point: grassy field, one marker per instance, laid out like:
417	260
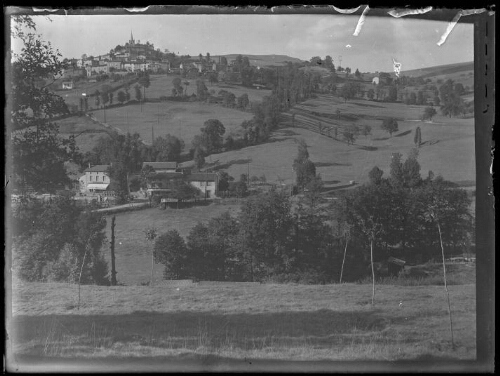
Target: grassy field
133	253
448	144
243	321
181	119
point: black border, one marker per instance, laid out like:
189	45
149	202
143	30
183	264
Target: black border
484	67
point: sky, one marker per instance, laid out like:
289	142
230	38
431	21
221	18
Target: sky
413	43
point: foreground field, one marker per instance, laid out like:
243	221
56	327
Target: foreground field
133	253
294	322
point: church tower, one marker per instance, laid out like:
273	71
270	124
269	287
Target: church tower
131	41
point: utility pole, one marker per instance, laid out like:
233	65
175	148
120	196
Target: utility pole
152	135
248	174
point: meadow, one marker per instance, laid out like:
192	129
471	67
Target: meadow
181	119
447	143
243	321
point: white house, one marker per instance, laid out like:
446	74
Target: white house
67	85
375	81
95	180
207	183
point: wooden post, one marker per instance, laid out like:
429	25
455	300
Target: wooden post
373	272
343	260
113	270
445	285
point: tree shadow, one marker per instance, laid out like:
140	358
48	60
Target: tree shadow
330	164
368	148
403	133
191	329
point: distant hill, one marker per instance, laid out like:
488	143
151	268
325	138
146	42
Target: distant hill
440	70
263	60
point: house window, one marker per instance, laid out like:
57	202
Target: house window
90	177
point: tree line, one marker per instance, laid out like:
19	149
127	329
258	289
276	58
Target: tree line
273	239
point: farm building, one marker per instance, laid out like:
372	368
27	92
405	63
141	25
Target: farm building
161	167
159	182
95	180
67	85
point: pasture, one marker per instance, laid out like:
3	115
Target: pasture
161	85
180	119
243	321
447	149
133	253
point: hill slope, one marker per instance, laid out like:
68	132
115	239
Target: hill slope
440	70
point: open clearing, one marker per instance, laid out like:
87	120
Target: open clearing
133	253
180	119
294	322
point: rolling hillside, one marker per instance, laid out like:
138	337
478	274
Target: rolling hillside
440	70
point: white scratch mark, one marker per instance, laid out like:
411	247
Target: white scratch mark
346	11
397	67
137	10
35	9
408	12
454	21
348	46
361	21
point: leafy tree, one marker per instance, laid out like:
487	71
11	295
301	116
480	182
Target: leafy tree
182	190
370	94
390	125
201	90
418	137
357	73
429	112
199	158
413	98
145	82
167	148
38	152
224	180
122	97
243	101
305	172
329	63
177	89
170	250
393	93
212	133
375	175
366	130
105	98
266	223
350	133
118	177
138	94
348	91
